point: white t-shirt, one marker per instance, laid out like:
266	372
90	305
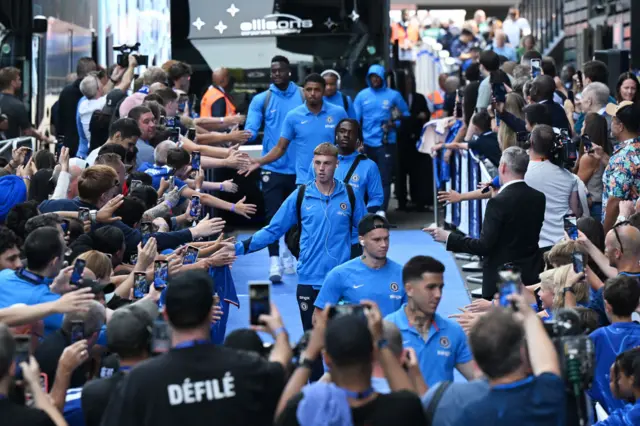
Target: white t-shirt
557	185
513	29
85	109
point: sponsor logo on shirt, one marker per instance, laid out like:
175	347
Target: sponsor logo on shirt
394	287
444	353
304	306
355	177
358	286
444	342
202	390
304	121
265	178
343	206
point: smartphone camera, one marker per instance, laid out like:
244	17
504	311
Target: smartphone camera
259	300
161	338
499	92
145	230
140	286
191	256
571	226
195	206
508	284
160	274
84	214
341	310
195	160
577	258
27	156
78	269
77	331
23	343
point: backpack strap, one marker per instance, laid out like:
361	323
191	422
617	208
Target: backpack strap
435	401
353	167
345	102
352	202
267	98
299	205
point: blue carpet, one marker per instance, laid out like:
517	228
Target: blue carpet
404	245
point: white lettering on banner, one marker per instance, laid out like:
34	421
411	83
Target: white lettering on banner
190	393
275	24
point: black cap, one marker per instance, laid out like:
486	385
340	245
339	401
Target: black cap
370	222
130	327
348	341
96	287
188	298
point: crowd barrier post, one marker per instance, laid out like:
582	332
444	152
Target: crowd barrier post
475	206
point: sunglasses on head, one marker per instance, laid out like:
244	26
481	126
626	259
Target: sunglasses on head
615	232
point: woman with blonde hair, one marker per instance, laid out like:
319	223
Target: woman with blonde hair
552	283
514	104
99	263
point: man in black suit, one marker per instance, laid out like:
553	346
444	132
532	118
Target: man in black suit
411	163
511	226
541	92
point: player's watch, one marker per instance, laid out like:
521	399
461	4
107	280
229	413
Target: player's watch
621	218
568	290
306	362
93	214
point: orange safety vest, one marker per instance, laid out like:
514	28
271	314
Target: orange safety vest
438	105
209	98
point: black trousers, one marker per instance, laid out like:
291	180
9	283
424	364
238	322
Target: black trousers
417	168
276	187
306	296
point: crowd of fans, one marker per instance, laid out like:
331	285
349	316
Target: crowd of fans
115	286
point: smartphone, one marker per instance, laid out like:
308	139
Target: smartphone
172	182
586	142
78	269
162	121
195	206
59	147
140	286
27	156
171	121
84	215
136	183
571	226
499	92
161	339
536	68
191	133
134	258
23	344
65	226
577	257
195	160
340	310
508	284
77	330
259	300
191	256
174	135
160	274
145	229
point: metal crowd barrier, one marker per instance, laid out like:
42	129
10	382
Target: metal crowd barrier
11	144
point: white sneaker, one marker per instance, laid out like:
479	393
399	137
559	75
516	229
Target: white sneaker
289	265
275	271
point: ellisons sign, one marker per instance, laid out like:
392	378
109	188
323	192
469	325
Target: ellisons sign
275	24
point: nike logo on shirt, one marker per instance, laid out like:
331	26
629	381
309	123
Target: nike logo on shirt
358	286
304	122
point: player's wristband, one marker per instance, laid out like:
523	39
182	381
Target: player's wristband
221	187
233	208
221	120
278	331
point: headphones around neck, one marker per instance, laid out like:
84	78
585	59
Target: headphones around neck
335	73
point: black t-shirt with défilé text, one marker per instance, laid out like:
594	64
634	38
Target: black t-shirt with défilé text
199	385
396	408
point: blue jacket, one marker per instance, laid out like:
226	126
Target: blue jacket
629	415
325	241
273	116
338	101
374	106
131	236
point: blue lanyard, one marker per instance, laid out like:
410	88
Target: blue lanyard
359	395
630	274
125	369
191	343
30	276
144	90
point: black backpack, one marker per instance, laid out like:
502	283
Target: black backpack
292	237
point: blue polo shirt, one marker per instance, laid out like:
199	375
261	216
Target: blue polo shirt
16	289
157	173
446	346
354	281
609	342
534	401
145	153
627	416
305	130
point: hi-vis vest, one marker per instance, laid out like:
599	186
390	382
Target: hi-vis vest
438	105
209	98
